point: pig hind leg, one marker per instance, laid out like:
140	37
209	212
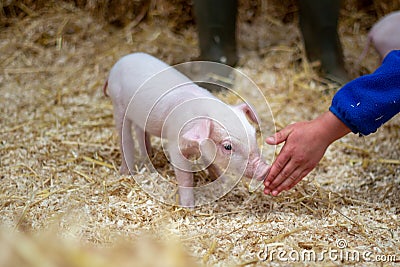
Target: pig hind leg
144	141
127	147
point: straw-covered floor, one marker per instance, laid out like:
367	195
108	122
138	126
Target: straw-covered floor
63	202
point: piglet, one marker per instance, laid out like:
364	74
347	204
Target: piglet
158	100
384	36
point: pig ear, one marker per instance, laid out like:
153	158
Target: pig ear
248	111
199	131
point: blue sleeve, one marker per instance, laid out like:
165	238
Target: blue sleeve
369	101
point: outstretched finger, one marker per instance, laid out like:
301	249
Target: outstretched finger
284	174
299	178
276	168
280	136
284	177
289	182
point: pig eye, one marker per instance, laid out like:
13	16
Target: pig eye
228	147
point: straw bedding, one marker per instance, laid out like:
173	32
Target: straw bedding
63	202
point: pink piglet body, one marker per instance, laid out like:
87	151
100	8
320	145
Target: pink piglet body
158	100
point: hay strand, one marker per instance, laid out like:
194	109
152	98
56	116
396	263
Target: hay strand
59	153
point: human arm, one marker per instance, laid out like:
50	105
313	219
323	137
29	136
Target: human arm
361	106
369	101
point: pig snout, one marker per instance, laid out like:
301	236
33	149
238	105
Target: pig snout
257	169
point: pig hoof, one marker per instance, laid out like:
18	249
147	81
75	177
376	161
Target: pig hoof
123	170
187	204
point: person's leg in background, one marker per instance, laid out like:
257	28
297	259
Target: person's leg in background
216	27
318	24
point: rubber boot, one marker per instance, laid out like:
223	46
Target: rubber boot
216	26
318	23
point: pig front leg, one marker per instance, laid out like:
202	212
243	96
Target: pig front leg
185	183
127	146
182	173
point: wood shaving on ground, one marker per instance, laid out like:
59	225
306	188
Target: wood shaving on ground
63	202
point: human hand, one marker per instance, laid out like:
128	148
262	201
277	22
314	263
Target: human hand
305	145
